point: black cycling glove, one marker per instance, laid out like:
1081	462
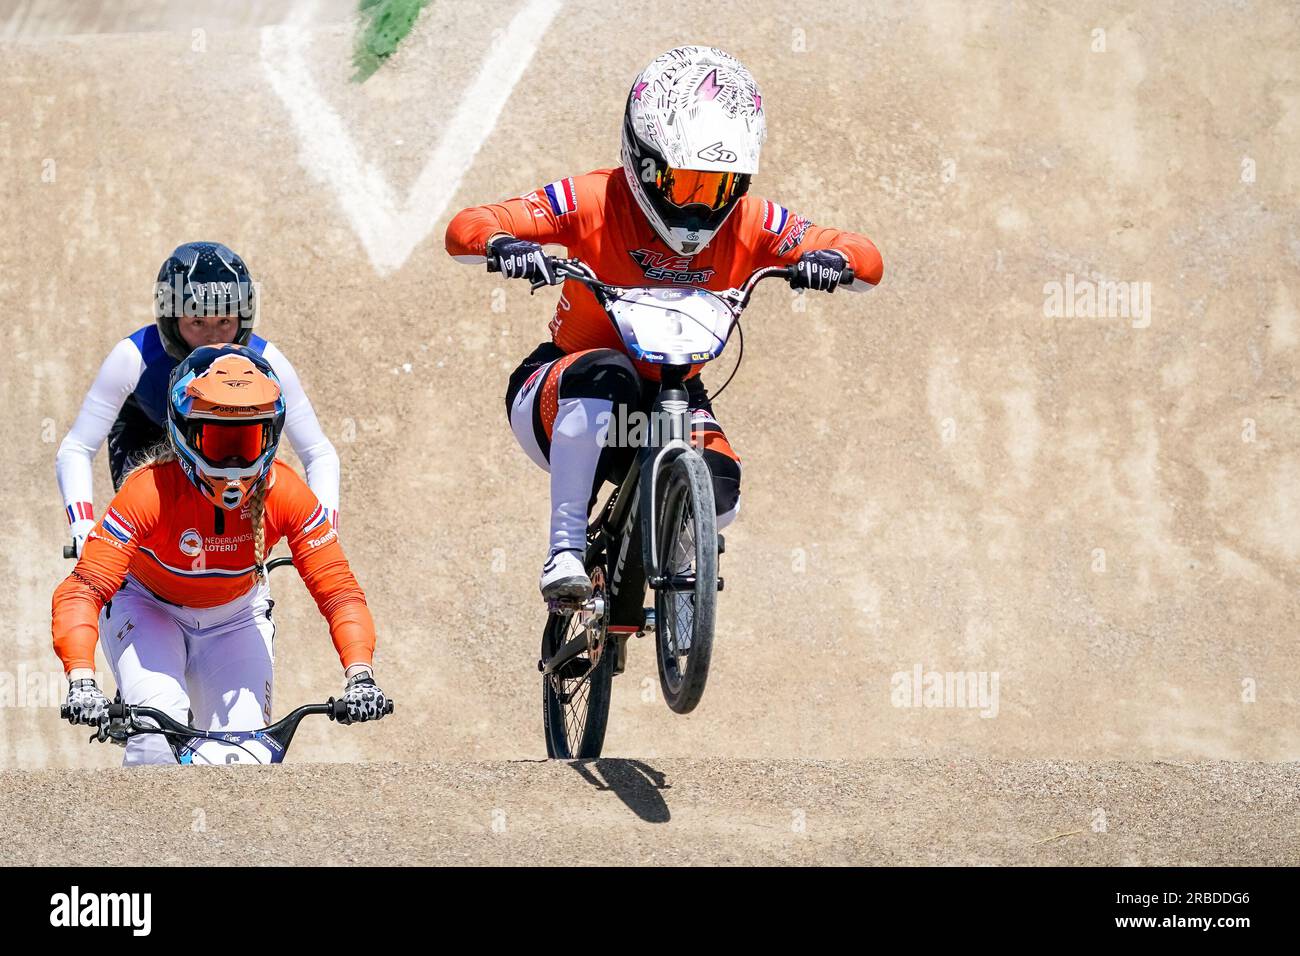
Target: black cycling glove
519	259
819	270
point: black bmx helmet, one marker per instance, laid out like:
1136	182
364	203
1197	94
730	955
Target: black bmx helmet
202	278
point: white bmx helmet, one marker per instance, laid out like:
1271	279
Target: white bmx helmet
692	132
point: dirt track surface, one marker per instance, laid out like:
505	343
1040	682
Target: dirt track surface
673	811
1103	511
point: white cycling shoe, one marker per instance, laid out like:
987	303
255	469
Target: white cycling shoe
564	578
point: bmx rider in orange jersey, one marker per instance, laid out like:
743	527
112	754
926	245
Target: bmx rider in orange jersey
171	577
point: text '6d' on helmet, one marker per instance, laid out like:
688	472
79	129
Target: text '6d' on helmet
692	131
202	278
225	414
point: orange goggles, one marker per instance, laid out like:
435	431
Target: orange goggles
686	187
231	445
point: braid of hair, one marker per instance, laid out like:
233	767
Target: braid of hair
256	512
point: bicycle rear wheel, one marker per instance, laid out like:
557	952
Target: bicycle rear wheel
575	697
686	550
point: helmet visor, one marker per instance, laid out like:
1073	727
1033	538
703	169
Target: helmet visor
687	187
231	446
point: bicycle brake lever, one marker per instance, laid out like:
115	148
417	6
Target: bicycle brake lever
543	284
115	730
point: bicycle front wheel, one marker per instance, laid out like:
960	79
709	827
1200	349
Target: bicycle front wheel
686	549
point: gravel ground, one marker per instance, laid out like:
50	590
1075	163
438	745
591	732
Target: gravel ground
882	812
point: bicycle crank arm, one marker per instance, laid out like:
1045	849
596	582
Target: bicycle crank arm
575	645
565	654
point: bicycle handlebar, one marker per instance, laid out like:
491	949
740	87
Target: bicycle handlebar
127	719
573	268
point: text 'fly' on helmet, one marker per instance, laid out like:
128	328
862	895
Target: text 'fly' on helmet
202	278
225	414
692	131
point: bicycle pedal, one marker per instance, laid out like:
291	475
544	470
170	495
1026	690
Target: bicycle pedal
575	669
593	605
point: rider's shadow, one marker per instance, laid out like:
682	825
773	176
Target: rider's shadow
637	784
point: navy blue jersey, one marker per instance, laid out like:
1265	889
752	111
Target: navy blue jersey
150	393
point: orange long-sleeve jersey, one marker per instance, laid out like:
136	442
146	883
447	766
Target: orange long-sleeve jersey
167	536
596	218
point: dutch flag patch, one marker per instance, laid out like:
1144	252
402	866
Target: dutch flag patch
117	526
563	196
318	518
774	217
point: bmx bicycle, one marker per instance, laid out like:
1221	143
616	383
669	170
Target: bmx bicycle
657	529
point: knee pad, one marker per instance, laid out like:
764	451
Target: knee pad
604	374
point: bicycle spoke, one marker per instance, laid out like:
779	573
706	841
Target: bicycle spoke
683	602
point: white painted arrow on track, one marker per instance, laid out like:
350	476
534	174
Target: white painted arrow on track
388	228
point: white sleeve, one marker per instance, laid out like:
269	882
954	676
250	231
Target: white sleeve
318	456
117	379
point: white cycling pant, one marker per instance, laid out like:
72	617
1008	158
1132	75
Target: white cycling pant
215	663
561	411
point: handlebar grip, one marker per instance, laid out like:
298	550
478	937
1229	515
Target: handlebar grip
117	710
388	707
846	277
69	550
63	712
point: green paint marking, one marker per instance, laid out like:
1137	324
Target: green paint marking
385	23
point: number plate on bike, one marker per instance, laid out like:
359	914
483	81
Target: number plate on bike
676	325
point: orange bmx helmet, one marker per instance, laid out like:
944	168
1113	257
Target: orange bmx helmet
225	414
